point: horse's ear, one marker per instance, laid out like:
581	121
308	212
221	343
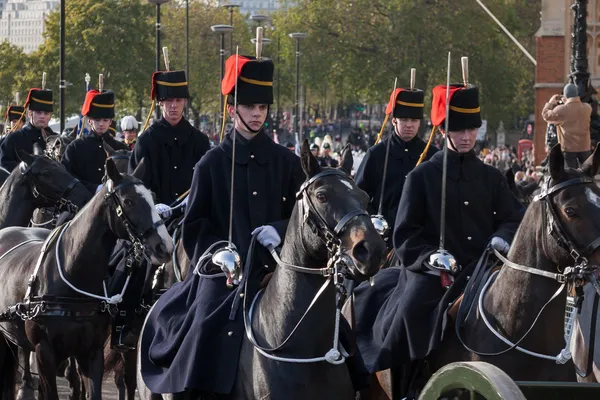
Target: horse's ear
347	160
510	179
37	150
310	165
111	171
109	150
25	157
556	163
591	166
140	170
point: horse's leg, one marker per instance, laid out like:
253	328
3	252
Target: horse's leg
8	369
47	371
92	368
27	388
384	381
72	375
119	375
129	373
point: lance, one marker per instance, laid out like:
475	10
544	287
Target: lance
43	81
101	83
381	225
17	98
165	51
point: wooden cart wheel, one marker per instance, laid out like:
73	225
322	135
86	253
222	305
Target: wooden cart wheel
471	381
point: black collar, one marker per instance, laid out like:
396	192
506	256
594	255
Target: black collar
257	148
460	166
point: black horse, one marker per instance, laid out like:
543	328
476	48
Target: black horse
38	182
332	204
570	204
56	146
64	311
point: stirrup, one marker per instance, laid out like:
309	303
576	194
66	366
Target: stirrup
122	347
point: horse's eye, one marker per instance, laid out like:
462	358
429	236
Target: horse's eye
321	197
127	203
570	211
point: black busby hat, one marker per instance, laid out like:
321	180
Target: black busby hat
39	100
15	113
254	80
407	103
464	112
99	105
169	85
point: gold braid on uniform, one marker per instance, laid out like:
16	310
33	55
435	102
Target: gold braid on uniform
152	107
424	153
80	133
224	119
387	116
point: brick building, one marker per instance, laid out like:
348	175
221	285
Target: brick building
553	55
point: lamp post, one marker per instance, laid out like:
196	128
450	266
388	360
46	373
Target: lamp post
221	30
259	18
62	85
297	36
187	52
230	7
158	3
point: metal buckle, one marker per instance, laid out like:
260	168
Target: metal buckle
119	211
576	256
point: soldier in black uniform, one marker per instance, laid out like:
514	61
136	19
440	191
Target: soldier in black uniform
199	347
39	105
15	115
171	146
481	210
326	160
405	148
85	157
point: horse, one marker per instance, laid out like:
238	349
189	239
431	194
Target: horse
329	205
120	157
524	192
60	313
525	303
56	146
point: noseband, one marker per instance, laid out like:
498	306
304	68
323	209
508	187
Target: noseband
61	202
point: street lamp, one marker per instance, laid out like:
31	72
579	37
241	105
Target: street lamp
259	18
264	41
297	36
158	3
230	7
222	30
187	52
62	85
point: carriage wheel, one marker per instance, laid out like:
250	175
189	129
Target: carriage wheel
471	381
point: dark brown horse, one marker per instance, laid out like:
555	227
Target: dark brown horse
280	315
569	203
64	311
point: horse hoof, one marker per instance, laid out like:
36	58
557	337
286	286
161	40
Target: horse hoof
26	394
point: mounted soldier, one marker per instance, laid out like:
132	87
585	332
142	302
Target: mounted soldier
129	128
15	116
482	212
85	157
171	146
386	165
39	111
204	316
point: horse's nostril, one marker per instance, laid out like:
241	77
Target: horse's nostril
361	251
160	248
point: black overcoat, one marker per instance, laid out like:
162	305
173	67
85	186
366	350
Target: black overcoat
22	139
194	333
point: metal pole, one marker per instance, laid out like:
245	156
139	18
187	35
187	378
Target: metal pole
278	83
297	111
222	63
158	48
187	51
230	34
62	66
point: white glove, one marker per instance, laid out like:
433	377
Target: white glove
267	236
99	188
500	244
163	210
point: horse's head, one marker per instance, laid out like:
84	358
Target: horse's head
131	213
56	146
570	202
120	157
50	183
334	209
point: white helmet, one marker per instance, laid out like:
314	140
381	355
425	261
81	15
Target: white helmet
129	123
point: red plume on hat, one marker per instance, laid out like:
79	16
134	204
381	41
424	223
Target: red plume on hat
231	75
393	98
89	98
28	99
438	104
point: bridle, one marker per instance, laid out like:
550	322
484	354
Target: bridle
338	267
60	202
576	275
136	237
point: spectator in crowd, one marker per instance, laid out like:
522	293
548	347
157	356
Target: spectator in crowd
572	119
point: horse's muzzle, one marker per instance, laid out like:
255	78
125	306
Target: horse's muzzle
368	257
